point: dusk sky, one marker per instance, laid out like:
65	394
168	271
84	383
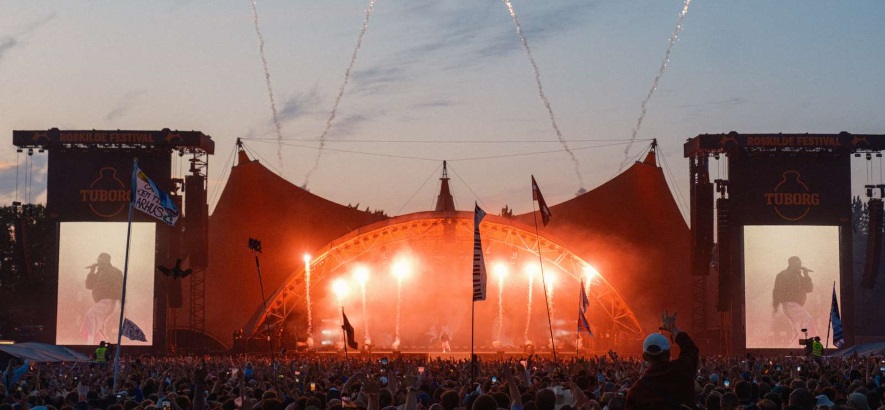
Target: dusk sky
438	80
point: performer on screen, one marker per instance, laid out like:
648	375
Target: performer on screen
790	290
106	283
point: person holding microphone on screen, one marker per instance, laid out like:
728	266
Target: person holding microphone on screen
106	283
791	289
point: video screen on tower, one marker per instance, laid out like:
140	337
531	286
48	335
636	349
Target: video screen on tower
790	272
91	259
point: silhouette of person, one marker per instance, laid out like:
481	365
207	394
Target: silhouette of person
791	289
106	283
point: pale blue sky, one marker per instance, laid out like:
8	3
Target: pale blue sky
439	71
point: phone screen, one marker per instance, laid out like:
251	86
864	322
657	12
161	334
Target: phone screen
313	386
420	369
384	361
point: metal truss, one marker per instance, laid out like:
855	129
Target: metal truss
499	235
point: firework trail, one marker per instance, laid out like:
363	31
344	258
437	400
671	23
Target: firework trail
356	50
528	51
654	86
399	299
307	301
273	103
528	317
365	312
500	307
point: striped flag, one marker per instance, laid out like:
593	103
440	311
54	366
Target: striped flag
838	335
542	205
583	324
148	198
479	264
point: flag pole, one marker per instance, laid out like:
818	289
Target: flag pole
543	280
830	322
125	273
255	246
578	323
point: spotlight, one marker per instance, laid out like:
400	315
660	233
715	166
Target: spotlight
361	274
501	270
307	259
590	272
532	269
340	288
401	269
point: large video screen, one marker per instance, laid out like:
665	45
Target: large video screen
789	277
91	259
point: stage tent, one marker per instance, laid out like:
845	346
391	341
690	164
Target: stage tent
629	228
288	220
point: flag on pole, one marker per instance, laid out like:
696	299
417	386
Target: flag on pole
838	335
132	331
542	205
479	264
348	330
148	198
583	324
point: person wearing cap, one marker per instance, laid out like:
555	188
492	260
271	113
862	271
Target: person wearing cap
666	384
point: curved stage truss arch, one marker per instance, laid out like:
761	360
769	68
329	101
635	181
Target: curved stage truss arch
453	233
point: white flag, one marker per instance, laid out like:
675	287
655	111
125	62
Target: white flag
148	198
132	331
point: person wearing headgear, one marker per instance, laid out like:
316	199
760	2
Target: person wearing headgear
666	384
106	283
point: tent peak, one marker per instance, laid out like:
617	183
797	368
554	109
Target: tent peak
445	202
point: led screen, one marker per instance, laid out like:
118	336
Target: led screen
789	276
91	262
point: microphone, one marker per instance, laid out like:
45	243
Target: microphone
806	269
93	266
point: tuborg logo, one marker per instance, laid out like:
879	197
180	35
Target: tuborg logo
792	200
107	196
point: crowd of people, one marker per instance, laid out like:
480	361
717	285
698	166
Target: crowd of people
331	382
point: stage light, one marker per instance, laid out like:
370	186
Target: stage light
550	278
401	269
361	274
532	269
590	273
501	270
340	288
307	259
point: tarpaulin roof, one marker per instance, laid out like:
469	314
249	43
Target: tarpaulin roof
40	352
631	230
867	349
288	220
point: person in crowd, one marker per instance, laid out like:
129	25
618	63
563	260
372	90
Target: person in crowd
666	384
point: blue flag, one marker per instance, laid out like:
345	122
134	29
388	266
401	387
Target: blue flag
150	199
583	324
838	335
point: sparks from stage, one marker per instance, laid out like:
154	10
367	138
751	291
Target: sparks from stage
532	270
361	274
401	269
501	272
307	300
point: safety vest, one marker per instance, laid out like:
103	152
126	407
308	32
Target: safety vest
100	354
817	349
